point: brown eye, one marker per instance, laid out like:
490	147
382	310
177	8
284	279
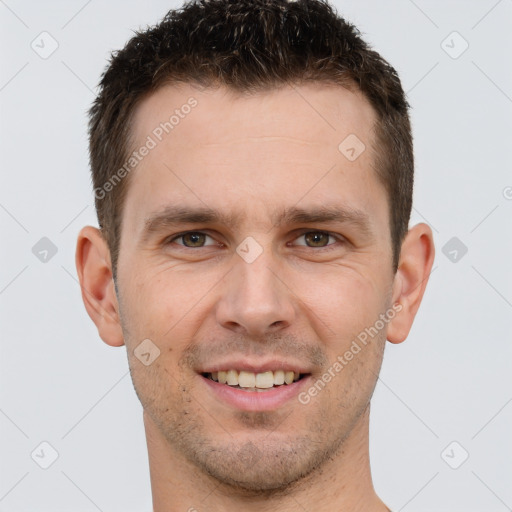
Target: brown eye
317	239
192	239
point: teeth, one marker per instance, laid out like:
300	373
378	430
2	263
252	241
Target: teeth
263	380
278	378
246	380
232	378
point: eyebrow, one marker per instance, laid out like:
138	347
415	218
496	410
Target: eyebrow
325	214
173	216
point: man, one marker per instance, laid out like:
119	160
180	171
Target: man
253	171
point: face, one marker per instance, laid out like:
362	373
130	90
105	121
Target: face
251	243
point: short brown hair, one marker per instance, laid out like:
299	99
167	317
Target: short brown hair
248	46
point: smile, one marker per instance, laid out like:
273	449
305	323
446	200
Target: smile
250	381
255	391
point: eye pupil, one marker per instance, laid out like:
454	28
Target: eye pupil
317	239
195	239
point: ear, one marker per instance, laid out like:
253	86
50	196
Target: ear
94	269
411	278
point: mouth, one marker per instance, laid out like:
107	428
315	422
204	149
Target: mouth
255	382
265	390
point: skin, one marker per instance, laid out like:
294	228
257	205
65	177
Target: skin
304	298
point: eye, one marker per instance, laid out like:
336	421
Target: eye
317	239
192	239
198	239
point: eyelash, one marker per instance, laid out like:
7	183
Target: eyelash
339	238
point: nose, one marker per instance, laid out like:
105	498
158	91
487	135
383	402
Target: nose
255	301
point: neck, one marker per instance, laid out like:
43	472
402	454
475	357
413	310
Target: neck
343	483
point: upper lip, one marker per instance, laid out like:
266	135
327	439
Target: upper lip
256	366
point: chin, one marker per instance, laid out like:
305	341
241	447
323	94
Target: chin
263	468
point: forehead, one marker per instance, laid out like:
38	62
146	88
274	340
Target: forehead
306	112
264	150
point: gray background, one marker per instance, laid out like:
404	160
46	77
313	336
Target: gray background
450	381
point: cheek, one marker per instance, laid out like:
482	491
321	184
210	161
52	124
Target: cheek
157	300
159	389
167	307
345	302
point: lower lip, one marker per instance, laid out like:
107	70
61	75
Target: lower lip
253	400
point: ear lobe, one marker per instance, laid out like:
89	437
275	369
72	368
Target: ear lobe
94	269
416	260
